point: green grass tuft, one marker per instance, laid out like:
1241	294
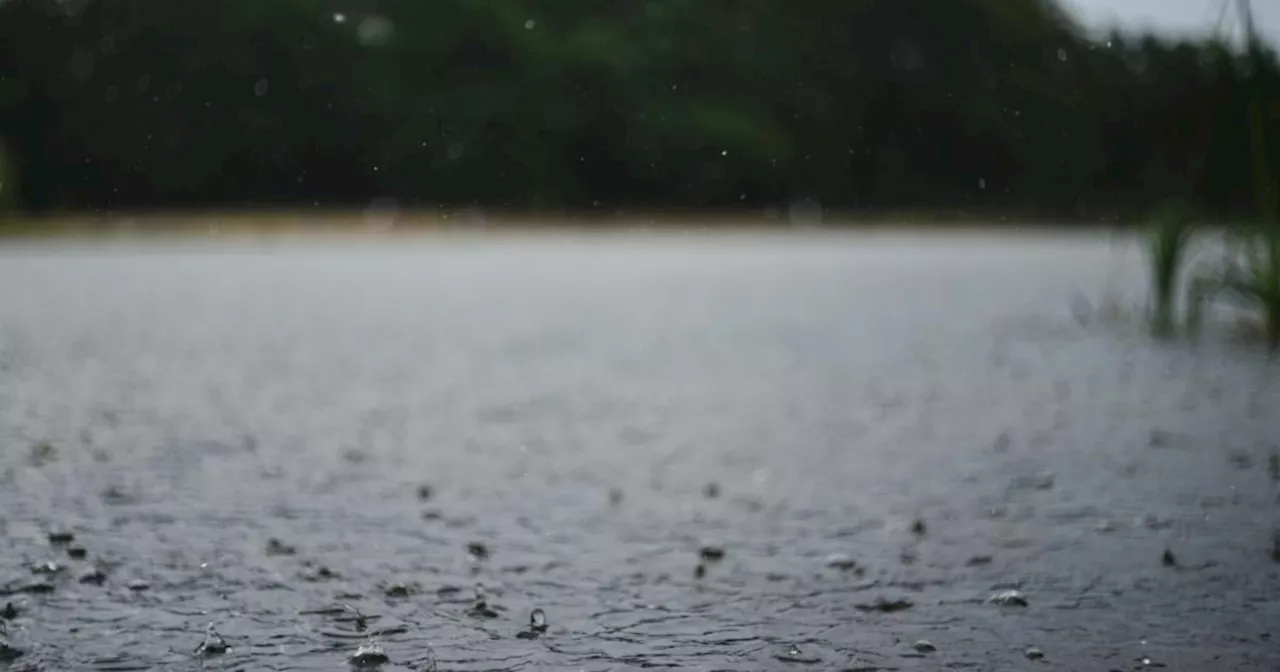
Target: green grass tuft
1168	245
1249	277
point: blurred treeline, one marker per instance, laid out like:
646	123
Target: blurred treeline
981	106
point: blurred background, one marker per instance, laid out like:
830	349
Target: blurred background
494	335
1076	110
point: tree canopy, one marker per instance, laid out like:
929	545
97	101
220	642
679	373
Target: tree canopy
982	105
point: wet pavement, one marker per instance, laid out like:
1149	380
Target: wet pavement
858	452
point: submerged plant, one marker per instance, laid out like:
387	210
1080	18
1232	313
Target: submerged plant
1167	246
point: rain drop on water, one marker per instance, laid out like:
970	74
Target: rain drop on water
368	655
339	17
982	183
213	644
455	150
260	88
1062	55
529	24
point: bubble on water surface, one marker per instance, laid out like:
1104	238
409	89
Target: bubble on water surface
47	567
1008	598
841	561
398	590
793	654
537	625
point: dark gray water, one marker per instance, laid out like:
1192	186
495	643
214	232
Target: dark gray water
569	404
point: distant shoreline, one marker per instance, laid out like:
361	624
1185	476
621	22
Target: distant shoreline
423	221
365	224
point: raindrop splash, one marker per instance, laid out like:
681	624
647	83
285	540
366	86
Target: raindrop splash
368	655
213	644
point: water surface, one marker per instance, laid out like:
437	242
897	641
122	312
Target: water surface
568	401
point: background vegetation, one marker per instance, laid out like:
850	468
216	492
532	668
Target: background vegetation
984	106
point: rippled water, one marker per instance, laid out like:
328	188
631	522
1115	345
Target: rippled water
239	434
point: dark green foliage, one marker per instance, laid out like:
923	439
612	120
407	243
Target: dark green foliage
8	182
979	106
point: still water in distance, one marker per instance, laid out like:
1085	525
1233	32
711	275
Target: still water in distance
689	452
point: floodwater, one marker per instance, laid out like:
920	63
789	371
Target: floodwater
316	446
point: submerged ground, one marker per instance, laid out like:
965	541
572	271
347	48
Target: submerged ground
294	440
